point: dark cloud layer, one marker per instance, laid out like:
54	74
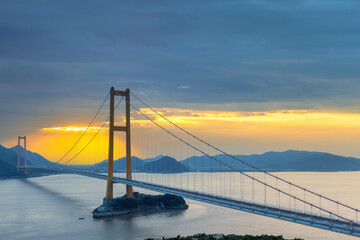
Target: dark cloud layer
173	52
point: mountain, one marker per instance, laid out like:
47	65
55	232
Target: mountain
34	158
165	164
303	161
8	163
9	159
203	163
7	170
120	164
147	160
8	156
276	160
212	164
290	160
325	162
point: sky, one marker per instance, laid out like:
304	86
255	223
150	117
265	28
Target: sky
247	76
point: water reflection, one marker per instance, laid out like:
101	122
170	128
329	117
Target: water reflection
50	192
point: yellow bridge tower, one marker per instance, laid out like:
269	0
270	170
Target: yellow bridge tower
112	129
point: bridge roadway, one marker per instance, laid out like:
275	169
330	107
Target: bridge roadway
306	218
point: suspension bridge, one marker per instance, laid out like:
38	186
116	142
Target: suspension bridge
226	180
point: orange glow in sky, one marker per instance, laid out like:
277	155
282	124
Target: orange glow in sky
72	129
235	132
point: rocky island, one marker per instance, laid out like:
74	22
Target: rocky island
139	203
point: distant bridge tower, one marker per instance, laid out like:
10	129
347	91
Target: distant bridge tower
22	149
112	129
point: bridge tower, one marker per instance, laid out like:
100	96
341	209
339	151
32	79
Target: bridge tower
112	129
21	149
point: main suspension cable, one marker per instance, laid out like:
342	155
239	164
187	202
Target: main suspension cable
240	160
241	172
93	136
87	128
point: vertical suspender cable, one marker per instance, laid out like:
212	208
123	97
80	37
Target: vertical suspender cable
253	186
235	157
278	197
265	189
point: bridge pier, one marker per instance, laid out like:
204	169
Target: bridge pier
112	129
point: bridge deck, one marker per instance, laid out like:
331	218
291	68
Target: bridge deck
306	218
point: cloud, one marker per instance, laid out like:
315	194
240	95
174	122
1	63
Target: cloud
58	59
71	129
278	117
233	131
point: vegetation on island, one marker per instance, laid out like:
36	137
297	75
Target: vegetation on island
203	236
139	203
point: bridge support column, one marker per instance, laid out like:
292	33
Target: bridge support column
109	185
129	188
112	129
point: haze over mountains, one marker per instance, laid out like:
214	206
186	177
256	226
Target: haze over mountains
290	160
8	163
9	159
34	158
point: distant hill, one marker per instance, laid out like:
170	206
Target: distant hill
8	156
147	160
8	163
290	160
9	159
277	160
165	164
120	164
325	162
7	170
34	158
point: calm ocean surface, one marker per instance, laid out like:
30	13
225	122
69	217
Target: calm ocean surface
50	207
